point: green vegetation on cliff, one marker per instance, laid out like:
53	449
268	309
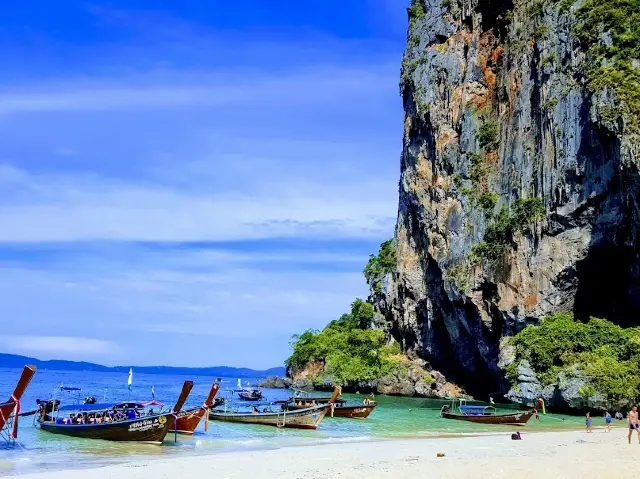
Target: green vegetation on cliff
346	350
609	31
379	265
350	353
604	354
498	238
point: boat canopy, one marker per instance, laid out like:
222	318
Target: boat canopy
66	388
475	407
86	407
105	406
140	403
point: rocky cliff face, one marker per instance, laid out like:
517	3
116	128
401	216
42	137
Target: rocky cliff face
500	110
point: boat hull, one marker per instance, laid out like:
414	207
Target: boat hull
519	419
352	411
188	420
7	408
149	429
307	401
308	418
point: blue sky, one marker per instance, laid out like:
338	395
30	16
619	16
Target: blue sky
191	183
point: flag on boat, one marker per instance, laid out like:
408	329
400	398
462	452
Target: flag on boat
153	392
130	380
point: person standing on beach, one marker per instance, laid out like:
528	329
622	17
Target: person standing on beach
588	421
607	420
632	418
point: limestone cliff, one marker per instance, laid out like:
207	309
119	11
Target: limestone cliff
520	190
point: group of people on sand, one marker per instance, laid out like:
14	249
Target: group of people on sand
632	419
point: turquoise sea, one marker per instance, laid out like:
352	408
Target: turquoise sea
37	450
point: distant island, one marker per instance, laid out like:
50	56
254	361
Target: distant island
17	361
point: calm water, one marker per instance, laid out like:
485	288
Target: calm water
36	450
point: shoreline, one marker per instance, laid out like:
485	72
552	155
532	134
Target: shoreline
561	453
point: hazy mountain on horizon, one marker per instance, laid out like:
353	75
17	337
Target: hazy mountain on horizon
17	361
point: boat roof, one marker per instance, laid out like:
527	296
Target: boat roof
103	406
67	388
476	407
86	407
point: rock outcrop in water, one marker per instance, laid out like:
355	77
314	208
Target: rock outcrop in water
275	382
520	188
408	378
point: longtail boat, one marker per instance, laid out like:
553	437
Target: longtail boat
250	394
303	395
10	409
483	414
187	421
301	419
128	421
340	407
308	418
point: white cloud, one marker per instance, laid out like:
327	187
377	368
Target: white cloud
162	141
141	303
70	208
319	87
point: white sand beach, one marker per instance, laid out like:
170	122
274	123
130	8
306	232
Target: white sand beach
555	455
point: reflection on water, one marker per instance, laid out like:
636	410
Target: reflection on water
37	450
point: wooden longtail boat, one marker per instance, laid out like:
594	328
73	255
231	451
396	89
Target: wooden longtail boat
484	414
250	394
307	418
357	411
10	409
188	420
339	409
305	396
152	427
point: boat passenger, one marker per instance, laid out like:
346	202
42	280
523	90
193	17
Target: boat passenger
131	414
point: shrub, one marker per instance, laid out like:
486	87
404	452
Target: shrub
379	265
612	65
488	136
488	201
349	354
415	12
498	238
607	355
458	274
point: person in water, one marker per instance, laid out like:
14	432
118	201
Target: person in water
588	422
607	420
632	419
